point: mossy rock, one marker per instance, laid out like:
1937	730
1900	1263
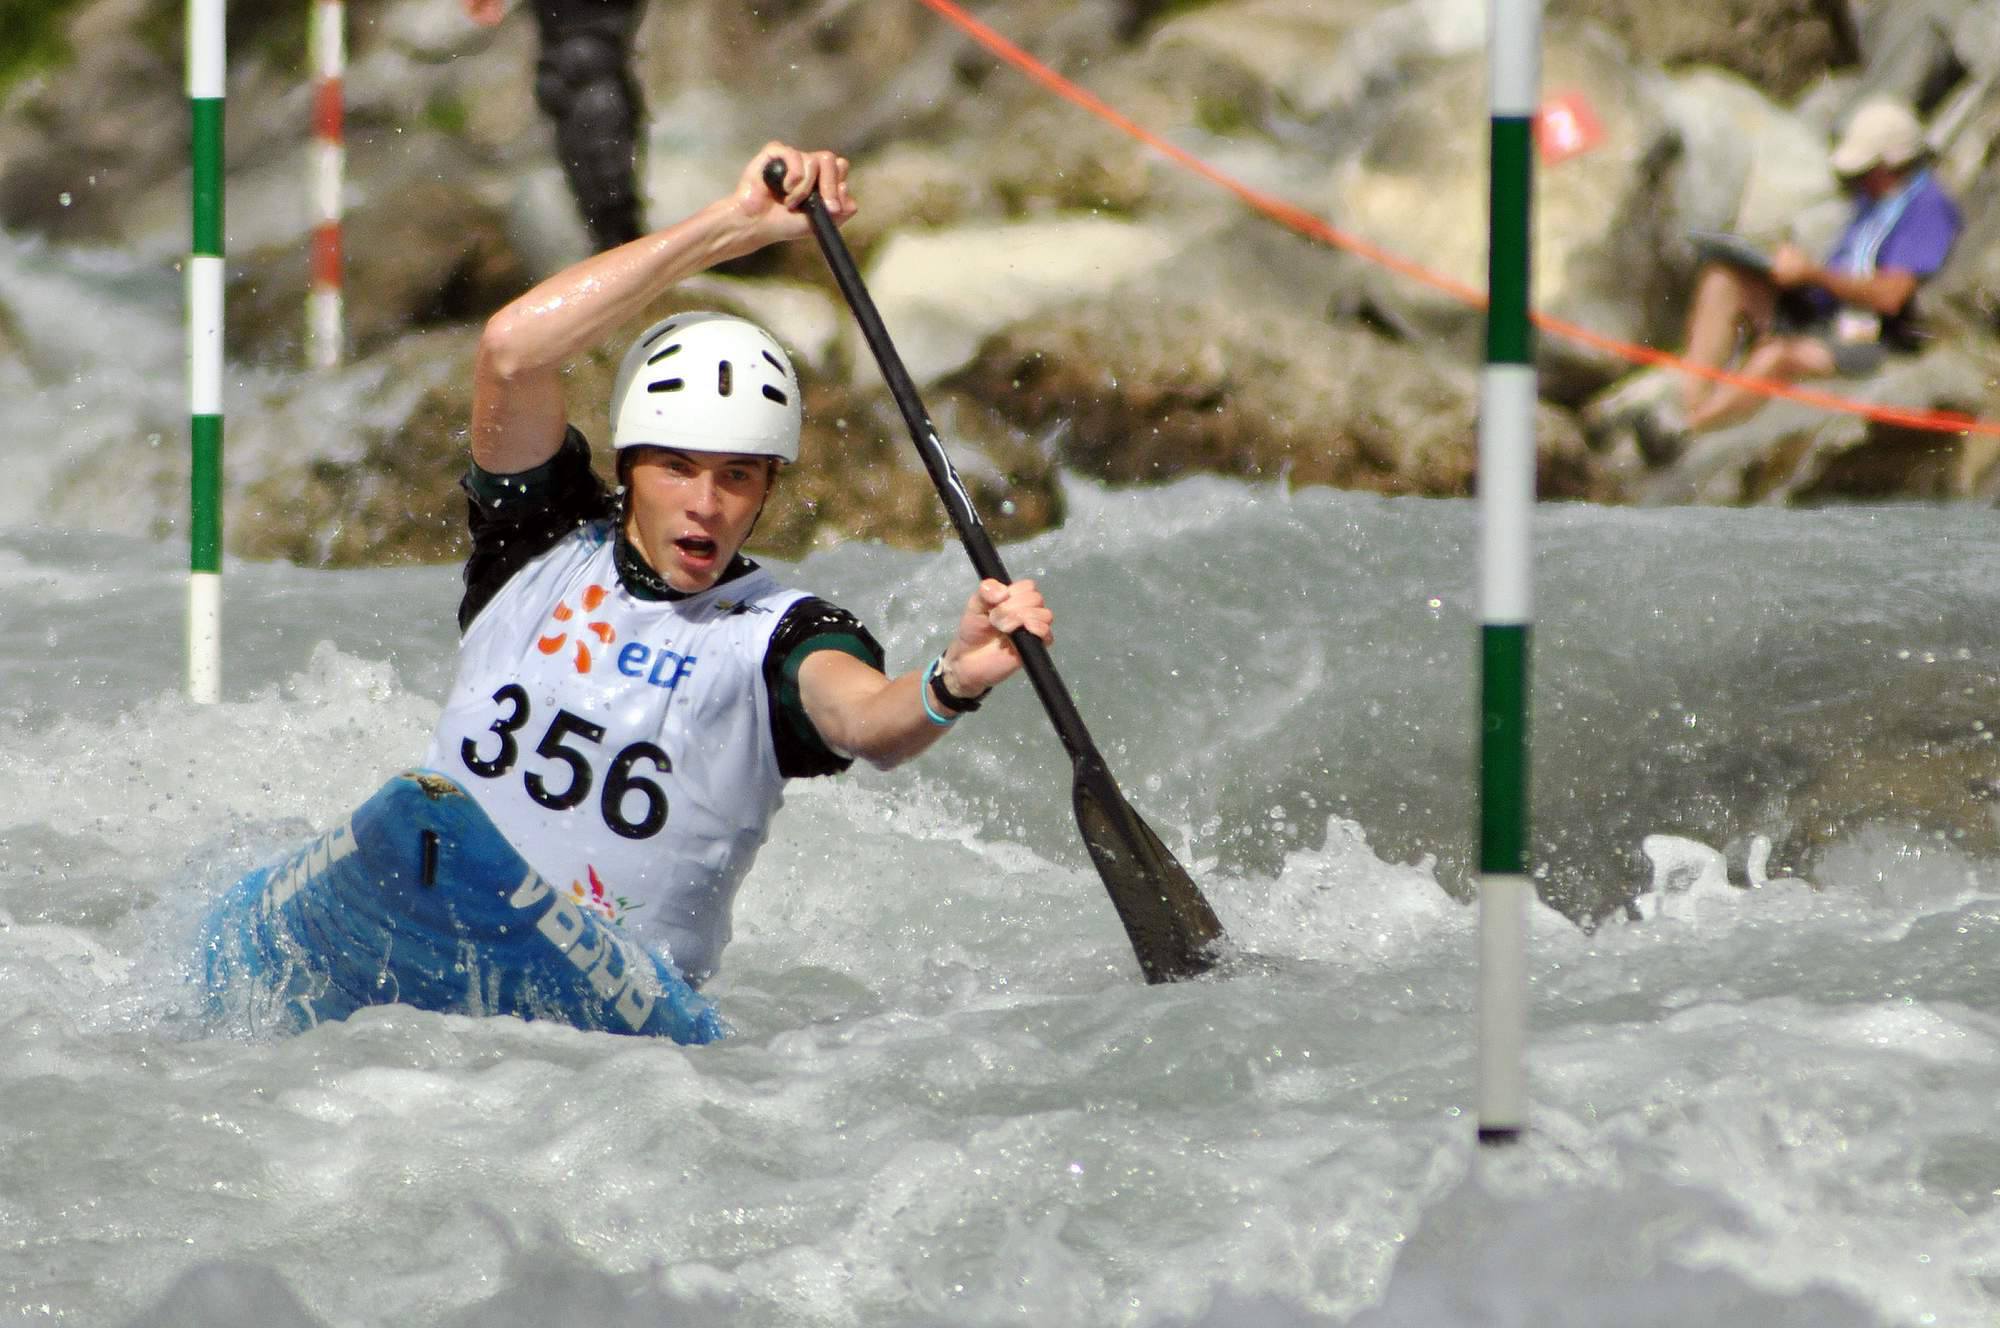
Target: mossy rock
34	36
397	500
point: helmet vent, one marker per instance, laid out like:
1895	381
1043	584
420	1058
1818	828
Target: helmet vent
723	378
664	328
774	394
666	385
664	353
774	361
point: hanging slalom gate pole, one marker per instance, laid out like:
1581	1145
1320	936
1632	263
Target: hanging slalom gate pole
206	70
1506	499
325	334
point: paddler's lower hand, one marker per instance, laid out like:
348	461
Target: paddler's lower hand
982	654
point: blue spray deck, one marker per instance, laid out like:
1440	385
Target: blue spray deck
417	899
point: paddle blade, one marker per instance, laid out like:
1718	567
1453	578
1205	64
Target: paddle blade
1169	922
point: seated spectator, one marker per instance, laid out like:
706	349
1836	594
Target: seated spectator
1803	319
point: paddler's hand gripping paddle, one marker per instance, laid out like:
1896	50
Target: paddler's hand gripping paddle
1170	924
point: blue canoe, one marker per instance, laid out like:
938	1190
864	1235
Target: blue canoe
418	900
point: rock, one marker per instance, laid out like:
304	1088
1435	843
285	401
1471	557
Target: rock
1145	388
859	476
808	320
1416	187
1782	46
1250	63
915	187
1975	40
389	495
1889	460
388	492
430	32
1909	52
940	293
420	252
1794	452
1042	156
23	366
1067	293
1750	167
1933	783
1966	294
78	140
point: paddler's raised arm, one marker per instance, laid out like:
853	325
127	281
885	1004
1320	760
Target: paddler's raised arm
518	414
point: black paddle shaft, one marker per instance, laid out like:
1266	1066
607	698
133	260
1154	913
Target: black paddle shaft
1169	922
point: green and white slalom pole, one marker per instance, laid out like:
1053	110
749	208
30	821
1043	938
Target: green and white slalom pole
206	65
1506	499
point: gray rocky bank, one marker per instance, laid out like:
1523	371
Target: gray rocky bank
1067	297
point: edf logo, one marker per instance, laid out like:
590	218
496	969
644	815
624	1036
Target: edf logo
668	666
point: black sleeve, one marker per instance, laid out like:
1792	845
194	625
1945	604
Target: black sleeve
808	626
517	518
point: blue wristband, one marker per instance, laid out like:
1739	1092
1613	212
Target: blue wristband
924	695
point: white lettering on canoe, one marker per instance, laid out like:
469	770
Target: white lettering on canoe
635	1003
531	888
312	860
604	961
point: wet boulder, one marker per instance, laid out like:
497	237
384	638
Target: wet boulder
1797	452
1416	186
1782	46
1141	388
317	482
941	293
422	250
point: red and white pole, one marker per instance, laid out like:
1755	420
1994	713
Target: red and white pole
324	333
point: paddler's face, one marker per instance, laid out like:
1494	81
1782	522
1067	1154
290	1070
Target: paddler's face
689	512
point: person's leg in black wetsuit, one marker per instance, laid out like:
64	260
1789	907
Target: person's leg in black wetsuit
583	84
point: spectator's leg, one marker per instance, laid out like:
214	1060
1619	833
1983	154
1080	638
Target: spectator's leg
1785	359
1727	301
582	83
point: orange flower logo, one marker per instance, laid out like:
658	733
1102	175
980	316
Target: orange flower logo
603	631
598	899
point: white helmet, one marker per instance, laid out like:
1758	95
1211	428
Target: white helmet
701	382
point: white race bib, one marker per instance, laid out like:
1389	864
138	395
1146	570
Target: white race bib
622	745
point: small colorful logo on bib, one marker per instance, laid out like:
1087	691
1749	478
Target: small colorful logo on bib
598	899
603	631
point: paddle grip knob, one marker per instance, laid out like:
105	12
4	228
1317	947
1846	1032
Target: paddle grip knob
774	177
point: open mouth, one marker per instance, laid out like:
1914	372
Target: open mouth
696	546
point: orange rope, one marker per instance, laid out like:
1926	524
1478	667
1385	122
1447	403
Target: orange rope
1298	219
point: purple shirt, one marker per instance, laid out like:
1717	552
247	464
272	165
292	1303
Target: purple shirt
1922	229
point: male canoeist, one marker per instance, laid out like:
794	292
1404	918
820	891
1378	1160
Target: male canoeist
633	692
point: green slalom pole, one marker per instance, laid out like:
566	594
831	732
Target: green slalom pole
206	67
1506	500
